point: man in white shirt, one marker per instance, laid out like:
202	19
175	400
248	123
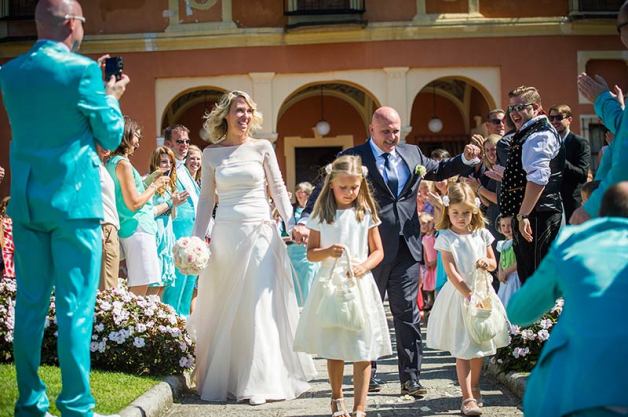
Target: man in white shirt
532	179
110	266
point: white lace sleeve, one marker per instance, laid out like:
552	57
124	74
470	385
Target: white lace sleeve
207	198
275	182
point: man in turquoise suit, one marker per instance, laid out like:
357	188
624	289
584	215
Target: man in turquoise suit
613	167
582	368
59	109
179	296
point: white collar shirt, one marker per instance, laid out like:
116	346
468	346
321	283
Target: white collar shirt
397	164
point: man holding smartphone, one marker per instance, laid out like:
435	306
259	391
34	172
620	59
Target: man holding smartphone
56	203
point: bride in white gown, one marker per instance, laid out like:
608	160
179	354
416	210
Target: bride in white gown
246	312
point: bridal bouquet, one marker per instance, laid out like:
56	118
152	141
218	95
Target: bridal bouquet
191	255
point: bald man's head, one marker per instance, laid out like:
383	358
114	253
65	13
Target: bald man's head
385	128
615	201
60	20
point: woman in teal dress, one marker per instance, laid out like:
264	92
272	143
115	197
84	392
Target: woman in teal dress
304	271
165	201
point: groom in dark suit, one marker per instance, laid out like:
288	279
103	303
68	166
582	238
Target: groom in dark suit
394	172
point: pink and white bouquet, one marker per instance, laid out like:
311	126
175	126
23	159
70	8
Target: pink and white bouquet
191	255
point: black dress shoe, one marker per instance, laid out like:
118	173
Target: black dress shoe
375	384
413	388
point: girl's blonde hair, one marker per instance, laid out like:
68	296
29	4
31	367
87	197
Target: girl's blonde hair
215	124
461	193
154	166
325	206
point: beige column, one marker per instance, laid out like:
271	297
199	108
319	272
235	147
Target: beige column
397	96
263	96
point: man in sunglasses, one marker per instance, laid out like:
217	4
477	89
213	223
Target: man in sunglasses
177	138
530	190
577	158
59	109
613	167
495	123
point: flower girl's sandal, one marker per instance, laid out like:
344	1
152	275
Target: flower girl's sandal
470	407
339	405
359	413
478	396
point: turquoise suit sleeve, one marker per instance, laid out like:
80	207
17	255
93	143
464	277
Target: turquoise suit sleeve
101	110
613	168
541	290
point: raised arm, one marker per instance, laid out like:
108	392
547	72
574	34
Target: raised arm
275	183
207	198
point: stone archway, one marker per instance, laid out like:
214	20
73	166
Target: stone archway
347	107
188	109
461	104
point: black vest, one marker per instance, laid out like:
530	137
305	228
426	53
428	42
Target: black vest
514	181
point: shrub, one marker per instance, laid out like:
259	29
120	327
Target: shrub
132	334
526	342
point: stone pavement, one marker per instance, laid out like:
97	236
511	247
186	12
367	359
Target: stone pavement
438	375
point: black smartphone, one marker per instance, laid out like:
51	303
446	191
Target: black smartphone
166	173
113	66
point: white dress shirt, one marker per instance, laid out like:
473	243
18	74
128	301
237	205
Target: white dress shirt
397	164
537	152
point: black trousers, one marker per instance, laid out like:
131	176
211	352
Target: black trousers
545	226
400	279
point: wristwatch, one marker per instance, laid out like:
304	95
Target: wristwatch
522	216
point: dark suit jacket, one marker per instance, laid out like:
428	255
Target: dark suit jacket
399	214
577	162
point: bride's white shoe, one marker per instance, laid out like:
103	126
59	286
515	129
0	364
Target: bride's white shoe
257	400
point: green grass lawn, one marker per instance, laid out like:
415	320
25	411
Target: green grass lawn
113	391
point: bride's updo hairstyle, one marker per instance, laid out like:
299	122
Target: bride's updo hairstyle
461	193
325	206
215	125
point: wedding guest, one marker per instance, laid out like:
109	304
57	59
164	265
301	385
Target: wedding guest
586	265
180	295
439	154
6	241
193	163
531	184
1	174
507	263
138	230
428	284
577	158
496	123
110	266
587	189
58	109
165	201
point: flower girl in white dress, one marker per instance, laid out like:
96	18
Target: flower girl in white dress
465	245
345	218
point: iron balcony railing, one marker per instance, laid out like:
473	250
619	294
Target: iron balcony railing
17	9
594	8
323	7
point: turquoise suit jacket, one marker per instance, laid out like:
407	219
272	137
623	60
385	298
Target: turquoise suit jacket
583	364
53	178
613	167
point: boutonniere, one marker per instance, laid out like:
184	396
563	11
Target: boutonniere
420	170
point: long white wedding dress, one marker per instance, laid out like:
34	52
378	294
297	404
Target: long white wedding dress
246	312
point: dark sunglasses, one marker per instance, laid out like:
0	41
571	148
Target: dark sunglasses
496	122
557	117
518	107
181	141
621	26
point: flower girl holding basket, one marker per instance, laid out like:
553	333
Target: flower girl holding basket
343	318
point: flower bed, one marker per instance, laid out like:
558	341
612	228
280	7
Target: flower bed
136	335
526	343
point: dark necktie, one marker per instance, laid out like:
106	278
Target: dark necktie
391	176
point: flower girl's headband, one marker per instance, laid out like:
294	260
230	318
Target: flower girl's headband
445	200
328	169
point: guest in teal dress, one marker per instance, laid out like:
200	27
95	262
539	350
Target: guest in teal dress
304	271
165	201
179	296
582	368
193	164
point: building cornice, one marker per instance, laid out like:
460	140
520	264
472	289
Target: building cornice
455	27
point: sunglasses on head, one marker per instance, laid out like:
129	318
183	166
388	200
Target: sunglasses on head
518	107
556	117
496	122
182	141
